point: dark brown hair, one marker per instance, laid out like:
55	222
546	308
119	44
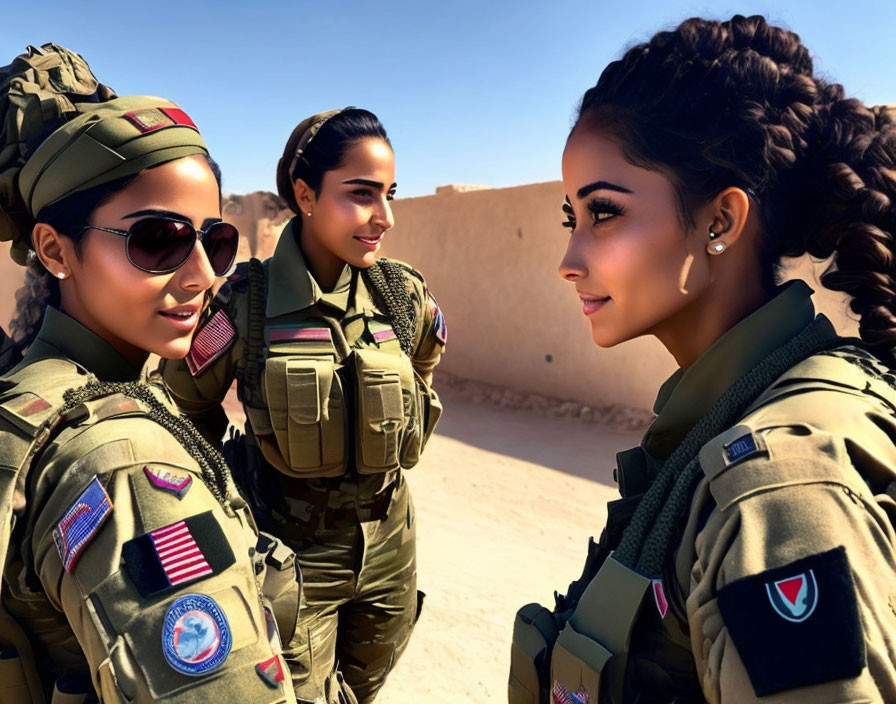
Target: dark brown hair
720	104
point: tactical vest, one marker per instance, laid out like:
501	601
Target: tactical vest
316	406
584	656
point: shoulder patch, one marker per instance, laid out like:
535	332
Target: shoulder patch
440	327
212	340
178	554
81	523
796	625
173	483
196	636
734	445
271	671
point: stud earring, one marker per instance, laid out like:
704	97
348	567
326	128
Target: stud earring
713	235
308	213
715	247
61	275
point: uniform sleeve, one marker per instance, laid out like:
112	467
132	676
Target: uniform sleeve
791	595
432	330
199	382
153	575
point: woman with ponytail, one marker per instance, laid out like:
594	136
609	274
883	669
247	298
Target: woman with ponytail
132	569
333	352
752	555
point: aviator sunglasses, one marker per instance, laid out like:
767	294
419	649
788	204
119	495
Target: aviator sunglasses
160	245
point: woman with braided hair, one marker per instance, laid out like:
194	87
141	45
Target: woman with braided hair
333	352
752	556
132	569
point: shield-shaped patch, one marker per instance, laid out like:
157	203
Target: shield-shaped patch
794	598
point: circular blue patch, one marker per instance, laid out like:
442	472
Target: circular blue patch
196	637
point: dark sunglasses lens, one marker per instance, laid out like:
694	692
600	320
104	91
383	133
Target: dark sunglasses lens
160	246
221	241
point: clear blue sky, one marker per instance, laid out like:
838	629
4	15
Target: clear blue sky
470	91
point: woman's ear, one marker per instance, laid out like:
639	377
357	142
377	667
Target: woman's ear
304	195
53	250
729	211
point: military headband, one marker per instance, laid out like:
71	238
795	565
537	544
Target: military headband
304	132
108	141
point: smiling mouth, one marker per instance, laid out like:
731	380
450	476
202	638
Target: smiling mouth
369	240
591	304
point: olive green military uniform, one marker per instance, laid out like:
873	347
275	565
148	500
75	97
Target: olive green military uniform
782	587
338	411
129	571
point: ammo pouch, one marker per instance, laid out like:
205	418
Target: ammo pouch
593	645
534	634
305	413
388	422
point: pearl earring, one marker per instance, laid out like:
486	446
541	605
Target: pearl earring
308	213
715	247
60	275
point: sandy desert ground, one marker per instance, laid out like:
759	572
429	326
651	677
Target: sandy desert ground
505	503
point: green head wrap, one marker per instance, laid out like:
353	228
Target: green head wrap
295	145
90	142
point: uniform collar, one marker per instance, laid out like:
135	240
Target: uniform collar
689	393
291	286
62	336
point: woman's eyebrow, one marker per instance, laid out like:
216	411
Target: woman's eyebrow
158	214
365	182
598	186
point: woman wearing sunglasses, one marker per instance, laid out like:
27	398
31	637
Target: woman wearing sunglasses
333	352
752	556
133	569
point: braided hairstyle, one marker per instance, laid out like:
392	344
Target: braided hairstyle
720	104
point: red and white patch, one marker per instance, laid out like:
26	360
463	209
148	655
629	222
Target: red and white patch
213	340
271	671
152	119
659	597
794	598
180	556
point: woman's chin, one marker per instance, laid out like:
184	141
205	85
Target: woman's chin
175	349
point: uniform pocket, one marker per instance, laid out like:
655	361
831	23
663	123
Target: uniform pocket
576	666
534	631
306	409
381	412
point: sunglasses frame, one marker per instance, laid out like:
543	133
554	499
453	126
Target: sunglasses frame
198	233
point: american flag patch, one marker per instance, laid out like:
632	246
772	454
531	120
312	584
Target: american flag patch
177	554
181	558
561	695
440	327
271	671
213	340
384	335
299	334
81	523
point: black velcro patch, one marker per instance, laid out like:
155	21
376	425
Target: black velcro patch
796	625
178	554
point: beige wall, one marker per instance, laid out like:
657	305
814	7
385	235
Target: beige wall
490	256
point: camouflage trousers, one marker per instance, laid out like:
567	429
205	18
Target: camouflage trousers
357	552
